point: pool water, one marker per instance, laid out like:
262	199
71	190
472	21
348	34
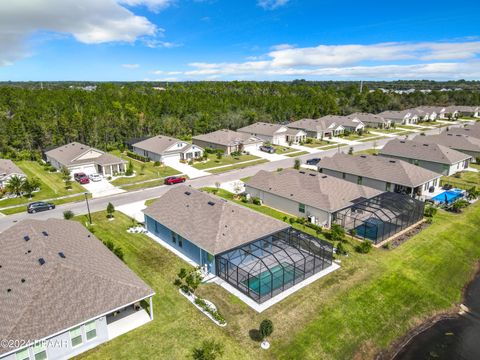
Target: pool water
262	283
451	196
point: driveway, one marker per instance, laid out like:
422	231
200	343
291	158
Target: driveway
102	188
267	156
133	210
186	169
304	148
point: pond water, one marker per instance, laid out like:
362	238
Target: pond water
451	339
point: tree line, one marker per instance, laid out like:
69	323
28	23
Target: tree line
34	117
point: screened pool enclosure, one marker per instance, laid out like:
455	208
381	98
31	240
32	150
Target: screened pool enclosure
381	217
272	264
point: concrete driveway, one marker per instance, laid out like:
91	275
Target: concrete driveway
186	169
269	157
102	188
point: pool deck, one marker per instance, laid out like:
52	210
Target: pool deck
270	302
438	192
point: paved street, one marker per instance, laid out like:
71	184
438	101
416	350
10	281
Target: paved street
99	204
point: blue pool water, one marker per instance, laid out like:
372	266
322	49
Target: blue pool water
262	283
451	195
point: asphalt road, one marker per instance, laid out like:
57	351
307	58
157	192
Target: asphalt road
99	204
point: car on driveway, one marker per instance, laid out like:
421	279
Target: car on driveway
174	180
313	161
37	206
81	178
267	149
95	177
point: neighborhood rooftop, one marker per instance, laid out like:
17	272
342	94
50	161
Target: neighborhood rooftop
70	154
379	168
262	128
210	222
368	118
416	149
227	137
8	167
312	188
157	144
55	275
460	142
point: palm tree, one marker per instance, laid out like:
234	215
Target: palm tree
473	193
15	185
29	186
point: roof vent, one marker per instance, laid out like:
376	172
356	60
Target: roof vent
363	156
23	280
188	193
392	161
302	172
425	144
45	233
211	203
324	176
9	290
26	238
312	174
41	261
62	255
402	142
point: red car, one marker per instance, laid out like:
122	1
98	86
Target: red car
81	178
174	180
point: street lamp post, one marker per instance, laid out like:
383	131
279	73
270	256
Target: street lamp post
88	208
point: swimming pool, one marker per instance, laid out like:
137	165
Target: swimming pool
448	195
262	283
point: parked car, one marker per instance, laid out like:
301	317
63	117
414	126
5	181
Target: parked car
313	161
174	180
81	178
268	149
95	177
37	206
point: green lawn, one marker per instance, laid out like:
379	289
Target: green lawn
373	138
386	131
51	185
352	313
316	143
150	171
237	166
297	154
366	152
23	208
225	160
282	150
466	179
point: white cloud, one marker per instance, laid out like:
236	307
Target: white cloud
153	43
131	66
88	21
161	72
271	4
422	60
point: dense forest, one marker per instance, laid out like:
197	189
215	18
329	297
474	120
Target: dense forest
36	116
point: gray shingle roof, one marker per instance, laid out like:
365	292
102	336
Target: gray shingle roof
320	191
262	128
391	114
8	167
210	222
470	130
416	149
370	118
317	125
227	137
157	144
67	155
458	142
63	292
379	168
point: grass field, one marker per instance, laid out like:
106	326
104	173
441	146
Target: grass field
225	160
150	171
297	154
373	138
238	166
366	152
282	150
51	185
317	143
466	180
352	313
23	208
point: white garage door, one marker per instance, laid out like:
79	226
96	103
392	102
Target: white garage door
251	147
87	169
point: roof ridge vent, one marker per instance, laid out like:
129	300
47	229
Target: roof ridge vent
62	255
363	156
312	174
187	193
41	261
45	233
324	176
211	203
392	161
26	238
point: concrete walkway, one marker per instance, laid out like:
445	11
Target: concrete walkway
304	148
343	141
384	134
186	169
133	210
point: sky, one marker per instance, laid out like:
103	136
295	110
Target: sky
177	40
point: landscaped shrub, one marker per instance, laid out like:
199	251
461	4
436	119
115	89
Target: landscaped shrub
157	163
337	233
138	157
256	201
210	350
68	214
341	249
215	314
296	164
188	282
364	247
110	210
115	249
266	329
129	171
430	211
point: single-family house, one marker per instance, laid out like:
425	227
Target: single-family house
466	144
349	124
371	120
403	117
431	156
63	292
256	254
381	173
82	158
324	200
471	111
164	148
275	134
317	128
469	130
227	140
8	169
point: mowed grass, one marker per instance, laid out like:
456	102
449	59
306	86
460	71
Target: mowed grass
299	153
315	143
149	172
22	208
51	185
237	166
367	152
352	313
225	160
282	150
466	179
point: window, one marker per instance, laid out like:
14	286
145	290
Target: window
359	180
388	186
76	336
343	175
301	208
174	237
22	355
415	162
91	330
40	352
180	241
435	182
446	168
156	226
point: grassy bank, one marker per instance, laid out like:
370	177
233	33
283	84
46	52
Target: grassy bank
225	160
355	311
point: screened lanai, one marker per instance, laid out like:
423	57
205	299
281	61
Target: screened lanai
380	217
272	264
